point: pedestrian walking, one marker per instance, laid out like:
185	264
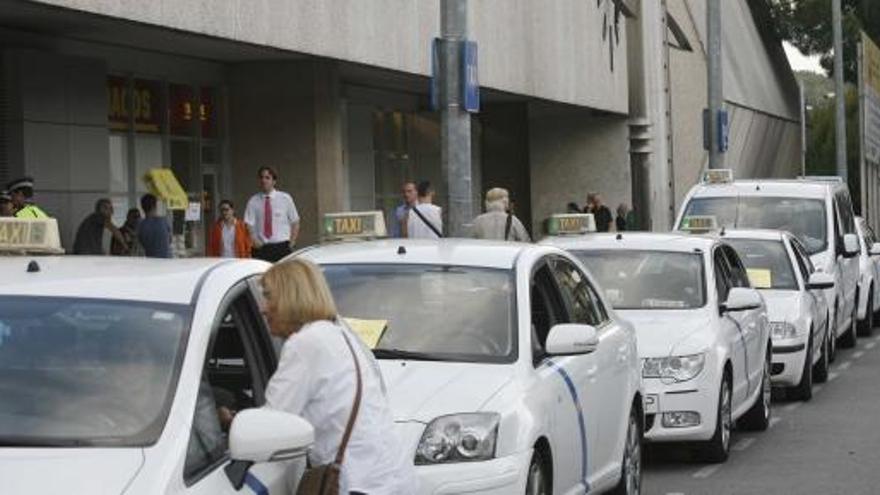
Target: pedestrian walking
131	247
600	212
425	219
621	220
21	192
96	233
272	219
499	222
6	209
410	196
329	377
229	236
153	232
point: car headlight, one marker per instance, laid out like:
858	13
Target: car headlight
459	438
676	368
782	330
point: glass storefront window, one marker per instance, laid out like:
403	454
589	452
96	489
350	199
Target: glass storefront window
208	112
118	162
181	109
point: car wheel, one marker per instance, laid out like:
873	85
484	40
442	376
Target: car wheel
757	418
848	340
866	326
804	390
717	449
832	356
537	483
631	469
820	371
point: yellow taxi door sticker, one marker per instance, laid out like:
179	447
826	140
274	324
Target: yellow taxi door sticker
761	278
370	331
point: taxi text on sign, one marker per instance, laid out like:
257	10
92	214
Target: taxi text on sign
29	235
871	77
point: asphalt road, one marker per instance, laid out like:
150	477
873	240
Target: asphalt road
830	445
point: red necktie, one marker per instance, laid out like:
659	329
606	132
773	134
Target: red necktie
267	218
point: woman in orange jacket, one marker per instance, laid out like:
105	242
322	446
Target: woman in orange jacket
229	236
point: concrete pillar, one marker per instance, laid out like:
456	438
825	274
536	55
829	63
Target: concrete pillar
288	115
653	200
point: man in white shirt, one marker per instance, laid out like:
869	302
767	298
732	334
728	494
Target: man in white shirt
424	220
272	219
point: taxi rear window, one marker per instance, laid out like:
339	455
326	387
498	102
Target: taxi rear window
428	312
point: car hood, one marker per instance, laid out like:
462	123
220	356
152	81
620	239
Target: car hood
424	390
663	333
782	305
45	471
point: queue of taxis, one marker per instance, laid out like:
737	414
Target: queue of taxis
818	211
506	368
112	369
703	334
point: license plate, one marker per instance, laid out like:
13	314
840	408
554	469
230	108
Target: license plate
652	404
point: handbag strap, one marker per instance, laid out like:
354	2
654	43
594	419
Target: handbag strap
340	454
427	222
508	224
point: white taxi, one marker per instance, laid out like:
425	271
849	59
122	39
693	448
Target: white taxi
506	370
869	277
703	334
818	211
779	267
112	372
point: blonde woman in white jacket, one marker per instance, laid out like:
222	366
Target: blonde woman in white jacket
316	379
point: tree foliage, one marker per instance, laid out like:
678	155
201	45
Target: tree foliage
821	151
806	24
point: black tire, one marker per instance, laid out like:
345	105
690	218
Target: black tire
717	449
631	469
866	325
537	479
848	340
832	356
757	418
804	390
820	371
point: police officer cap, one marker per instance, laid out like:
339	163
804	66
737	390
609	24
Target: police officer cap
5	197
20	184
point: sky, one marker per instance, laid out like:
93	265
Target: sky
799	61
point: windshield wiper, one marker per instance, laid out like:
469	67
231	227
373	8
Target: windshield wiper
411	355
22	441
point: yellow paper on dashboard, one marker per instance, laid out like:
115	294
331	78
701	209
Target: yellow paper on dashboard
761	278
370	331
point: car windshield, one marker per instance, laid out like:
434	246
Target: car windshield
87	372
648	279
805	218
445	313
766	262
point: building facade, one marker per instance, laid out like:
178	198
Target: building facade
336	96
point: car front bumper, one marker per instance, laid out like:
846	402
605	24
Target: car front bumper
697	396
788	362
494	477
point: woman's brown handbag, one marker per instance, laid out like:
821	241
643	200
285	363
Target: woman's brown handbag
324	480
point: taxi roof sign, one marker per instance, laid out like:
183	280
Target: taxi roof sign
718	176
571	224
699	223
354	225
29	236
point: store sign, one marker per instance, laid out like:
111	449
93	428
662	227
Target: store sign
871	78
143	99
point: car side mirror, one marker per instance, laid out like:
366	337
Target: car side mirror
264	435
742	299
875	249
850	245
568	339
820	280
